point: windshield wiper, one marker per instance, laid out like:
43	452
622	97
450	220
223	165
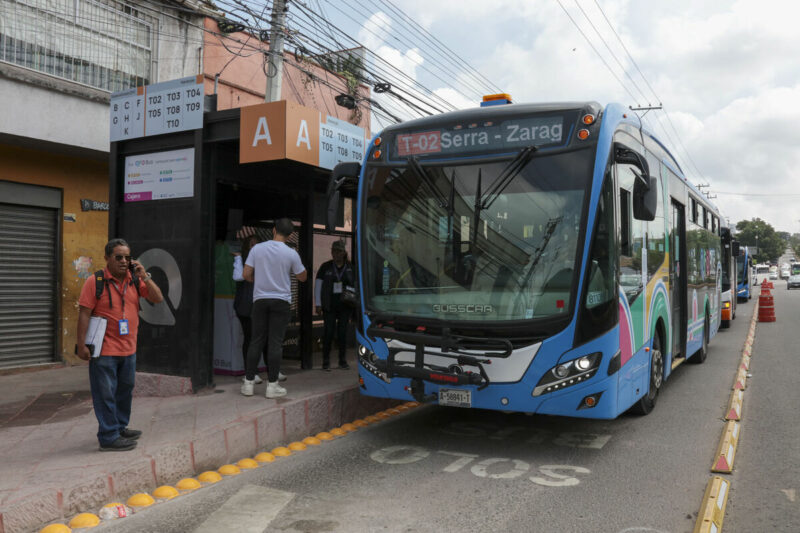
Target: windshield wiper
508	174
505	177
414	165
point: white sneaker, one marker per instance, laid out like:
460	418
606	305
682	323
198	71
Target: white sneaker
247	387
258	380
281	376
274	390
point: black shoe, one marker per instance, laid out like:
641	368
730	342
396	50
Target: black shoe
344	365
120	445
131	434
326	367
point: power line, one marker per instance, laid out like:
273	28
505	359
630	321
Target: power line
633	61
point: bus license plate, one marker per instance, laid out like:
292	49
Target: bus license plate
455	397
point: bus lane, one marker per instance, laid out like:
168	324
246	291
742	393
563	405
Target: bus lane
450	469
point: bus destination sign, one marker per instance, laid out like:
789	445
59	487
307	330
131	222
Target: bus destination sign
481	137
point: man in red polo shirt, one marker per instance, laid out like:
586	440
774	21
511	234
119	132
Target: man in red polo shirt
112	373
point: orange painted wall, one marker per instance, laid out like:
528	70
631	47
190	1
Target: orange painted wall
77	178
242	81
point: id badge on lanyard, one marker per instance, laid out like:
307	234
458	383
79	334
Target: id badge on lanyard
123	323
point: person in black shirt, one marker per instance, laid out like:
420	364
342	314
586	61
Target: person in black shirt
334	277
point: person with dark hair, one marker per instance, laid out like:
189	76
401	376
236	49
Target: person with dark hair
333	278
269	267
112	372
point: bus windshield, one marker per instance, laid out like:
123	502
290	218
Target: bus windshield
429	252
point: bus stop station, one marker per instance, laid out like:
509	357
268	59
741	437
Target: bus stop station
179	196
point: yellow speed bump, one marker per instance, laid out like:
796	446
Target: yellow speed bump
712	510
727	448
371	419
312	441
297	446
165	492
140	500
402	407
338	432
281	451
349	427
383	415
735	406
324	435
360	423
264	457
209	477
393	411
84	520
188	483
229	470
247	463
411	404
56	528
740	383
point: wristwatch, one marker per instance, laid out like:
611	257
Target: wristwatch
148	276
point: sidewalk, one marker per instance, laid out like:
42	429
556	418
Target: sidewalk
51	468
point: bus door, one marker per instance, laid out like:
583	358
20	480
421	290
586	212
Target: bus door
678	281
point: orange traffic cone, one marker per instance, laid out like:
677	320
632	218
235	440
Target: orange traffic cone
766	309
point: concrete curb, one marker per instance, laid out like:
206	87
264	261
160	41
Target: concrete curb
290	420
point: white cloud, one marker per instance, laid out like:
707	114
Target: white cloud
726	73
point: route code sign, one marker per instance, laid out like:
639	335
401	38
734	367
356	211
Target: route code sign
167	107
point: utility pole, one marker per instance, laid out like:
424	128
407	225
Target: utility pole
275	64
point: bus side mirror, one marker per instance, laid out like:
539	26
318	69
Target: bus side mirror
341	173
735	248
645	198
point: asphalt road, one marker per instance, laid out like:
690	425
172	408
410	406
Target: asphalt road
765	490
448	469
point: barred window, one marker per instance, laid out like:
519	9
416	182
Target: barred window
105	44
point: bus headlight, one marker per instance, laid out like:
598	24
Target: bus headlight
567	374
367	359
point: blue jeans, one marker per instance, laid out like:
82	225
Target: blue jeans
111	379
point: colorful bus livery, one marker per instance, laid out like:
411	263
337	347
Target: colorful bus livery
566	274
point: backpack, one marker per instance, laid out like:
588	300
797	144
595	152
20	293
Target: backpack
100	284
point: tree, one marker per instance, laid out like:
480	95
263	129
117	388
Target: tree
757	232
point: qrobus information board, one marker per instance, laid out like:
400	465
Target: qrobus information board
175	105
159	176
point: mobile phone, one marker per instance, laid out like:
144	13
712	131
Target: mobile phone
131	267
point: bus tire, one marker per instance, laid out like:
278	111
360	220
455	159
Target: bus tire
648	402
699	357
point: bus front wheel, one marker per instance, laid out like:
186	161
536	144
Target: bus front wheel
648	402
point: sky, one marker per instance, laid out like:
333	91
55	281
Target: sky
726	73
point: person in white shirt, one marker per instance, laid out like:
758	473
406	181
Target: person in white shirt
269	267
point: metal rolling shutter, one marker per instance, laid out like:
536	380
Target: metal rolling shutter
28	278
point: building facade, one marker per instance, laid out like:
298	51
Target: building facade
60	60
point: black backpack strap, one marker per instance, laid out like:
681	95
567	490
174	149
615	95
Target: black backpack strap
100	284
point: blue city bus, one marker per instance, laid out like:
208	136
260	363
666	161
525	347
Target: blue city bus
543	258
744	274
